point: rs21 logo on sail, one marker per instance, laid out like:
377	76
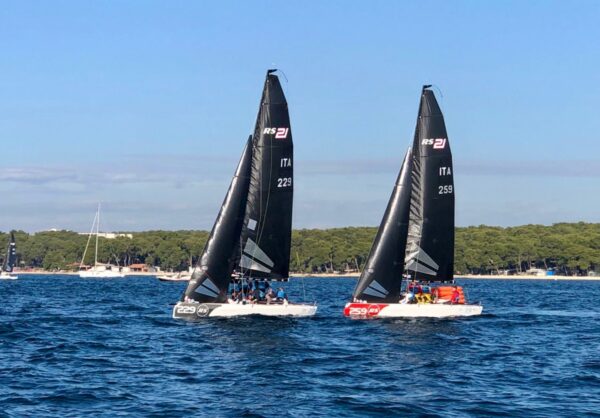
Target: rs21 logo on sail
438	143
280	133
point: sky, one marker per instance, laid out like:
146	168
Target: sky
145	106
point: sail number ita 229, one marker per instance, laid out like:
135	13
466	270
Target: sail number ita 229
284	182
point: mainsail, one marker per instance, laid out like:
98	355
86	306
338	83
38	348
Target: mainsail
267	231
11	255
380	281
210	280
430	247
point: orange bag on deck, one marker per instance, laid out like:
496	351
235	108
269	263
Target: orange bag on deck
445	292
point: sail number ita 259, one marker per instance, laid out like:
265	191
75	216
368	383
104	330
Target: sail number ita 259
280	133
445	189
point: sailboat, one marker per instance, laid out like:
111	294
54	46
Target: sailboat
251	237
410	269
9	260
98	270
182	276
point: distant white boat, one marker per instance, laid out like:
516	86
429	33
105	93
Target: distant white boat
99	270
6	273
8	276
182	276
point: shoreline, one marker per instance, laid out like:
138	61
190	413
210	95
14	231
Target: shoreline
335	276
527	277
462	276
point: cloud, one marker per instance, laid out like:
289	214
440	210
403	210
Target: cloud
36	175
531	168
349	167
111	173
180	192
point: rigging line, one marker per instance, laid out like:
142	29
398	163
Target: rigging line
88	241
284	76
242	272
264	217
438	90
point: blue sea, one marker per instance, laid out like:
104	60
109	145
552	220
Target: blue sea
73	347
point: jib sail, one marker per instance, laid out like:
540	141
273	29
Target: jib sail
210	280
381	279
430	247
267	231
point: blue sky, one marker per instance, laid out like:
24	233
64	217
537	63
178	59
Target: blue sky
145	106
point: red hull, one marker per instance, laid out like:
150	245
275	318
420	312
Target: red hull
364	310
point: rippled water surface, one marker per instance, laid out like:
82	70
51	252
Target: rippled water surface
73	347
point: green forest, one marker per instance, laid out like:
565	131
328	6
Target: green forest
569	248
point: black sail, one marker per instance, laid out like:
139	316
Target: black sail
381	279
430	247
210	280
11	254
267	232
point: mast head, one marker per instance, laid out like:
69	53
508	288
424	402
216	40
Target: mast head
426	86
271	71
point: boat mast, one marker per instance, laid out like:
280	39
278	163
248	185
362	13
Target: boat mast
87	245
97	232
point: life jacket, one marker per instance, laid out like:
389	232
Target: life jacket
424	298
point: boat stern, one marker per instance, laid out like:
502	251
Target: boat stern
363	310
191	311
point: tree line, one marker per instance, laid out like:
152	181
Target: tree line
569	248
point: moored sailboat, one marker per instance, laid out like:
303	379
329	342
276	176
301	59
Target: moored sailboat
98	270
410	268
10	260
252	232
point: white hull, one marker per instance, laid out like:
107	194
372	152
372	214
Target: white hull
183	278
5	276
406	310
193	311
107	274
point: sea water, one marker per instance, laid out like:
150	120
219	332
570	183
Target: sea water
108	347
